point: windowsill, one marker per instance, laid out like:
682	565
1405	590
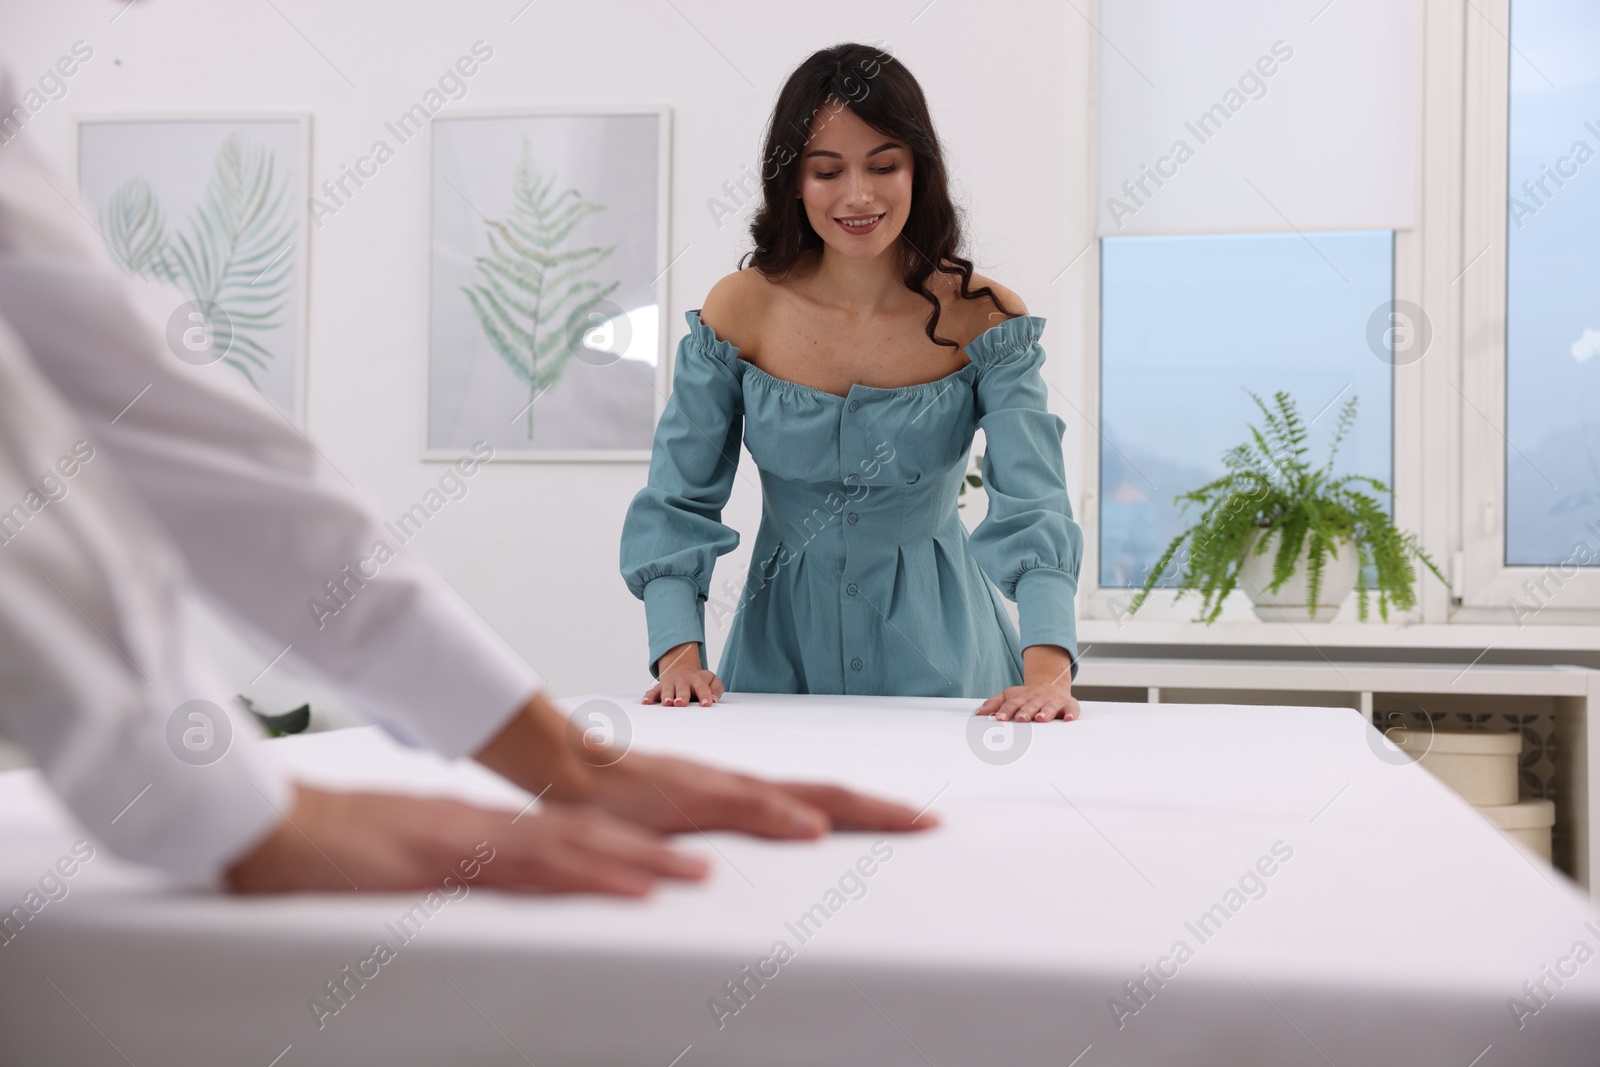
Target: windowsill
1255	633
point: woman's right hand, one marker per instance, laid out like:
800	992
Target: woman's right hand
682	679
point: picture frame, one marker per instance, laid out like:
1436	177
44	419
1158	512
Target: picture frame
152	180
546	364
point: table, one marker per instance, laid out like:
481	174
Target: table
1196	884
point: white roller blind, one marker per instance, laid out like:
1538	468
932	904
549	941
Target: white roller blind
1257	115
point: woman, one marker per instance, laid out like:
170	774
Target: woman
855	358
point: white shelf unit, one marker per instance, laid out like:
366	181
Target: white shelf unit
1470	637
1570	694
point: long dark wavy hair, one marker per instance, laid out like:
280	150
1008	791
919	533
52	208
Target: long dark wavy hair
881	92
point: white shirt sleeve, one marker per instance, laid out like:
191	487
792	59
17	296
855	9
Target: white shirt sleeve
268	529
94	663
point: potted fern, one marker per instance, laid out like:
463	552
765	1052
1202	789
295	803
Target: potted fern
1294	536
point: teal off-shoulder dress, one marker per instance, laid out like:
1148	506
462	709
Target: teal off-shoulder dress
863	579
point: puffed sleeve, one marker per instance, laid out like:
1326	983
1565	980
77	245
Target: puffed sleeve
674	532
1028	544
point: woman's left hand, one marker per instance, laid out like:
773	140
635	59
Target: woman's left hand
1032	703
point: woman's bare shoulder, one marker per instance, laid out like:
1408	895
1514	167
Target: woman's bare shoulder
736	306
973	315
1004	295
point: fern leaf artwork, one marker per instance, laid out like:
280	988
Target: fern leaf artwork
533	298
232	252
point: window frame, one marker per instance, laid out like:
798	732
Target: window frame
1490	585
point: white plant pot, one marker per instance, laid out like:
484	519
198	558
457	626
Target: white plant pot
1290	602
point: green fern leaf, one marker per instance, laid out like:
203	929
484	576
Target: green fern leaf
1271	487
533	300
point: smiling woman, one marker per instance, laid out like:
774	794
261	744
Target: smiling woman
856	358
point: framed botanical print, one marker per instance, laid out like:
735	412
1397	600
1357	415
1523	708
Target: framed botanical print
547	283
214	207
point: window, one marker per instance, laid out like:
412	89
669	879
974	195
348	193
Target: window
1552	334
1529	392
1189	323
1490	434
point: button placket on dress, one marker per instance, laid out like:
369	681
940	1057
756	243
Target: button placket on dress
851	606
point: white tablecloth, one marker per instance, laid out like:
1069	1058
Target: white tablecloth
1396	925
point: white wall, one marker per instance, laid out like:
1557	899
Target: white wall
534	546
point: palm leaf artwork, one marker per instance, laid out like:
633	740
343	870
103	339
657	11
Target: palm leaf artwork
136	231
232	253
532	299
